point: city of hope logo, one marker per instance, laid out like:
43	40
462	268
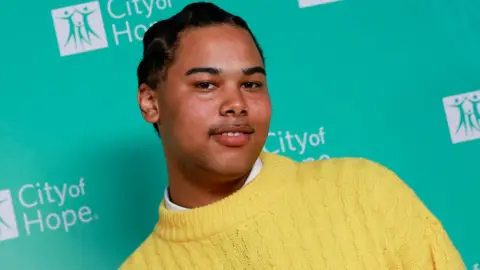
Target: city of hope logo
84	27
34	213
79	28
8	221
310	3
463	116
299	143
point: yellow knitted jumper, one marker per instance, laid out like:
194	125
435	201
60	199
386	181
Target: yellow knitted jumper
335	214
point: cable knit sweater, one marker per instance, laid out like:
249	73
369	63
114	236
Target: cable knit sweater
335	214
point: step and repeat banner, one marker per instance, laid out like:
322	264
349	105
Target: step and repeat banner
82	175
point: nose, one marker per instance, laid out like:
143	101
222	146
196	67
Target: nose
234	104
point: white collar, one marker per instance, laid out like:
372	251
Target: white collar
174	207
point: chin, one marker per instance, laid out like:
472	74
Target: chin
234	165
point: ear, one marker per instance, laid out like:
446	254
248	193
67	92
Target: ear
148	102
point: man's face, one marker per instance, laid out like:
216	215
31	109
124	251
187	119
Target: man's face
214	108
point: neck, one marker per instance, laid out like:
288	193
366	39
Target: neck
272	184
196	188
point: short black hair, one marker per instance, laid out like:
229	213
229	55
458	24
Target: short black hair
162	38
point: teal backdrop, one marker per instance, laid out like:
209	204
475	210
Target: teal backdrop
82	175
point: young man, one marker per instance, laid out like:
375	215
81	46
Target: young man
202	83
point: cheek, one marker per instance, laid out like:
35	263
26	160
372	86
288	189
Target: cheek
260	113
193	120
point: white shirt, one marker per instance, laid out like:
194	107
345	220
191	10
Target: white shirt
257	167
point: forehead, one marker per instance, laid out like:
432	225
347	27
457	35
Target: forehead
219	45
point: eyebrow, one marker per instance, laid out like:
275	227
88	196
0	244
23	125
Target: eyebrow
210	70
253	70
215	71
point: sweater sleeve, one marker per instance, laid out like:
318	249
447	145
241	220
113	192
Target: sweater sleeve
415	238
424	243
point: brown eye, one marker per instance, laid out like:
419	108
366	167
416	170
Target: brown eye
251	85
205	85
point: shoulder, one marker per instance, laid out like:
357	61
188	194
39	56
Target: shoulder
348	165
372	185
360	174
352	171
347	169
368	180
356	180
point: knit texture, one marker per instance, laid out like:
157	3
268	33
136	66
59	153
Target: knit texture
347	213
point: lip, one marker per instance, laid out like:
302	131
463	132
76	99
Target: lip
232	135
245	129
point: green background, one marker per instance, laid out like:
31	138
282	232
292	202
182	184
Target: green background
372	73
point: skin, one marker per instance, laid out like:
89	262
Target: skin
215	83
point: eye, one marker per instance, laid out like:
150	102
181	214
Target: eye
205	85
251	85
